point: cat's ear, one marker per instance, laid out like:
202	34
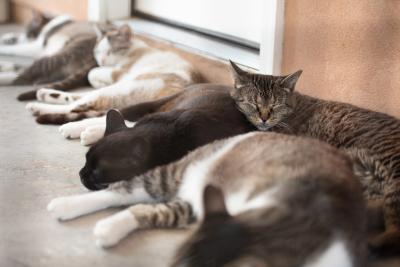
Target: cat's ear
214	202
289	82
114	122
240	76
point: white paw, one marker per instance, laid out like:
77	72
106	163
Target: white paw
33	108
53	96
108	232
92	134
63	208
100	77
71	130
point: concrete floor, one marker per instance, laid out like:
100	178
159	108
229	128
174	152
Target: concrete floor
36	165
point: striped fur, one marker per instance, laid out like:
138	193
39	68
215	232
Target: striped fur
371	138
283	200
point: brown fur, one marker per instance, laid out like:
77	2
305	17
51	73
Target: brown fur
320	200
371	138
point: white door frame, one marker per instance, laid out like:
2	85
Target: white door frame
270	57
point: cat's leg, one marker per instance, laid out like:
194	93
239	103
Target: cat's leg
119	194
94	133
174	214
73	130
53	96
101	77
388	242
44	108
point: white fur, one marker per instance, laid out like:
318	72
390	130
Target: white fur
45	95
195	178
238	202
65	208
108	232
92	134
73	130
101	76
335	255
34	48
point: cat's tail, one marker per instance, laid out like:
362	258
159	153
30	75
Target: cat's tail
59	119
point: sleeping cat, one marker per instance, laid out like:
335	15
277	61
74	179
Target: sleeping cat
371	138
31	31
130	72
165	130
65	70
282	200
52	38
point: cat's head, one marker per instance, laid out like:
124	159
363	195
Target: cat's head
113	45
220	240
36	24
122	154
266	100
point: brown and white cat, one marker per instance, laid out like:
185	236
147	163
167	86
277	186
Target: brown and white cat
371	138
283	200
130	72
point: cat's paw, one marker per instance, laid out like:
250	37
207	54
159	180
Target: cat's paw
63	208
92	134
33	108
108	232
100	77
53	96
71	130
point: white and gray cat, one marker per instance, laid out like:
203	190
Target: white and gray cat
280	200
130	72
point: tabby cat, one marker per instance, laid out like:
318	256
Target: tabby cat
65	70
130	72
165	130
371	138
284	201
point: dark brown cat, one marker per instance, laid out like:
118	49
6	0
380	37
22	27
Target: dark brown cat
65	70
198	115
371	138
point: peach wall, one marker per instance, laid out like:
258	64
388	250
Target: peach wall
349	50
76	8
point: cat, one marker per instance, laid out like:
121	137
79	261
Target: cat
372	139
31	31
130	72
164	130
284	200
52	38
64	71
